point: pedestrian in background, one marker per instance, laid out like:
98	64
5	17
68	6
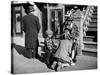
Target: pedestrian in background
31	28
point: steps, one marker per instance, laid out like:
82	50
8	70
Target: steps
88	38
93	23
92	28
90	46
90	50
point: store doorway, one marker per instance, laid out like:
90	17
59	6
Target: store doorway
56	22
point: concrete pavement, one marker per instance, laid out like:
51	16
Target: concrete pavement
24	65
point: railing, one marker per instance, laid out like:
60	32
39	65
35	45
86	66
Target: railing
83	21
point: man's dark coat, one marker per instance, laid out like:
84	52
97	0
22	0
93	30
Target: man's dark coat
31	28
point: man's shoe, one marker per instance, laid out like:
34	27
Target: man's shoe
72	63
56	67
65	65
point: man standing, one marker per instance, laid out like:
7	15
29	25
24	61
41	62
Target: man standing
31	28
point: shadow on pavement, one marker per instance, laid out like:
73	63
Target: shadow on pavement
22	51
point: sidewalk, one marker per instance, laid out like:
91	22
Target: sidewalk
25	65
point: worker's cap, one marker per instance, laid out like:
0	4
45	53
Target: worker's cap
30	3
29	6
